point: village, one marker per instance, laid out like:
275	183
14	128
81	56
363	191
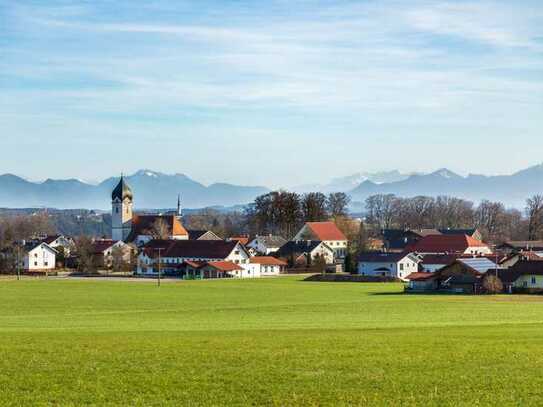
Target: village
144	245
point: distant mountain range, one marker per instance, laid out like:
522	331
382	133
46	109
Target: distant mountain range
512	190
151	190
346	184
157	190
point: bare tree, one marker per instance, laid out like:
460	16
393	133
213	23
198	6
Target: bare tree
314	207
85	256
159	230
534	212
380	211
337	204
492	284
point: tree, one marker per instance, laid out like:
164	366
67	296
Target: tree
319	264
84	250
534	212
492	284
490	218
337	204
118	262
159	230
314	207
380	210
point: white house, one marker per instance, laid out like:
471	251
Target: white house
266	266
326	232
103	250
59	241
267	244
175	253
302	252
40	257
397	265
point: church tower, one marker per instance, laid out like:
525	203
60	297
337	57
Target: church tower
121	211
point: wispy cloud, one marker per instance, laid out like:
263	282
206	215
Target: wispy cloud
363	65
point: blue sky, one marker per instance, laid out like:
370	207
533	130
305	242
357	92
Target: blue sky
275	93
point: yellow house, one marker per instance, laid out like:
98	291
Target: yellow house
524	276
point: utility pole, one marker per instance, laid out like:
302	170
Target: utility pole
159	264
18	262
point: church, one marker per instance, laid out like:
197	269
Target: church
140	229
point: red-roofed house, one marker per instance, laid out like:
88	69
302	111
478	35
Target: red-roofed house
453	244
266	265
326	232
147	227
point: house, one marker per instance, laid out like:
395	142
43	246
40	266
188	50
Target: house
465	275
39	257
473	232
60	243
430	263
267	265
525	276
304	252
147	227
103	252
397	265
451	244
244	240
326	232
202	235
267	244
398	239
421	281
535	246
174	254
514	257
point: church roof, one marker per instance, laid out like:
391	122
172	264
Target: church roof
143	225
121	191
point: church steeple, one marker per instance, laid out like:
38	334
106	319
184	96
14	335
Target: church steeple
121	210
179	210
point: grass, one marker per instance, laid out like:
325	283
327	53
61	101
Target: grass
277	342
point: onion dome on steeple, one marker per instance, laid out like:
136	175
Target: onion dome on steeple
122	191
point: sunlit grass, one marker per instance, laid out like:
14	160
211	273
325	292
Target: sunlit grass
264	342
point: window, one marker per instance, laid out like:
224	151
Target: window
401	268
533	281
35	263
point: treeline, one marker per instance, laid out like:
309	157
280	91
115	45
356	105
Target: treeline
283	212
493	219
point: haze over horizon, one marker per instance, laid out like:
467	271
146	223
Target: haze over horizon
275	94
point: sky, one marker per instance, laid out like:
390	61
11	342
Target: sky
275	93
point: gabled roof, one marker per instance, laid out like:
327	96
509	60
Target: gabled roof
267	261
445	244
523	256
521	268
199	234
443	259
382	257
224	266
50	239
478	264
326	231
420	276
101	245
196	249
142	224
242	239
297	247
271	240
524	245
467	232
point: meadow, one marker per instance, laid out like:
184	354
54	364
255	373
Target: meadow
281	341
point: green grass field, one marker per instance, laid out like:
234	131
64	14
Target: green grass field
279	342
